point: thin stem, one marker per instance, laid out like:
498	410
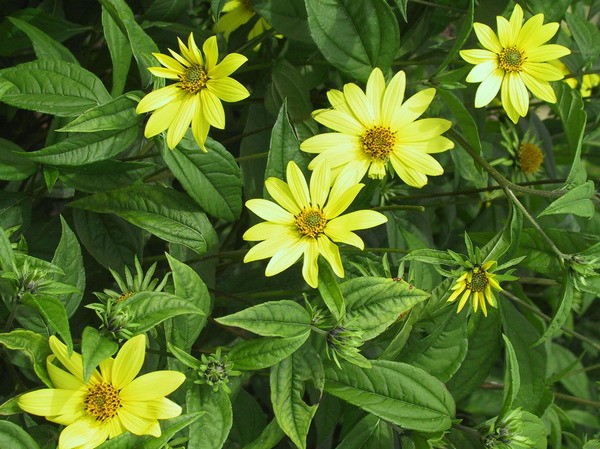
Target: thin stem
568	397
251	157
375	250
547	318
400	207
436	5
583	370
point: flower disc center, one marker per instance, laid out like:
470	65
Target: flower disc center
194	79
530	157
511	59
311	222
479	281
378	142
102	401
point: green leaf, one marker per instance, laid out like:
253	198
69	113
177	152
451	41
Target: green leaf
14	437
355	36
393	391
94	349
586	35
461	38
189	286
370	432
577	202
161	211
167	10
10	407
115	115
287	389
373	303
147	309
216	6
402	4
431	256
284	147
563	312
54	313
7	256
288	18
113	242
69	258
53	87
512	380
264	352
330	290
553	10
463	119
120	52
34	346
531	360
271	319
103	176
212	429
507	239
45	47
443	349
212	179
50	177
85	148
14	167
270	436
184	357
15	209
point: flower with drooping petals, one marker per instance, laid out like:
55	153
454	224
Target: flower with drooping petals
477	284
196	98
110	403
514	61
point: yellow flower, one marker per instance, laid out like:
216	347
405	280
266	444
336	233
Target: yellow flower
196	98
376	127
236	14
513	61
112	402
308	221
588	82
530	157
476	283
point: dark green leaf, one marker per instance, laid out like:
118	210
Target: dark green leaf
7	257
212	429
370	432
553	10
14	437
287	18
264	352
512	380
563	311
330	291
586	36
10	407
216	6
270	436
402	4
577	202
34	346
45	47
12	166
94	349
103	176
461	38
54	313
167	10
120	52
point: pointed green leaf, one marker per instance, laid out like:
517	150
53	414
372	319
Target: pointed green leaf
512	380
54	313
120	52
370	432
34	346
330	290
94	349
14	167
14	437
45	47
562	313
104	175
577	202
212	429
264	352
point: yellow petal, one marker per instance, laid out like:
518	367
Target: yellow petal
482	304
357	100
505	32
320	183
424	129
200	125
547	53
541	89
542	71
325	141
507	102
338	101
72	362
82	432
129	361
62	379
197	56
487	37
310	267
227	89
227	66
481	71
339	121
272	245
161	408
233	20
211	52
164	73
488	89
375	90
420	162
268	210
297	184
460	287
538	35
286	257
52	401
341	235
518	93
340	199
158	98
170	63
408	175
181	121
331	253
360	219
152	386
162	118
463	300
529	34
184	62
212	109
477	56
377	169
115	428
266	231
393	97
138	425
281	193
412	109
433	145
186	53
338	156
516	21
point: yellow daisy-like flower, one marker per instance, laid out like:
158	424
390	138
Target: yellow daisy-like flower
112	402
477	284
235	14
588	82
196	98
513	61
308	221
376	127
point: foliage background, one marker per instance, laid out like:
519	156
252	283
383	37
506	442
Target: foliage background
91	193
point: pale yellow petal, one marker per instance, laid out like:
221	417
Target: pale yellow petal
164	73
361	107
200	125
412	109
186	53
518	93
377	169
161	408
162	118
272	245
181	121
320	183
360	219
310	267
537	34
337	101
281	193
138	425
62	379
129	361
547	53
52	401
341	235
158	98
516	21
478	55
184	62
542	71
212	109
228	65
541	89
325	141
489	88
297	183
195	50
82	432
504	32
152	386
331	253
268	210
408	175
375	90
419	161
338	121
266	231
393	97
115	428
286	257
481	71
340	199
211	52
338	156
433	145
507	103
72	362
423	129
487	37
170	63
227	89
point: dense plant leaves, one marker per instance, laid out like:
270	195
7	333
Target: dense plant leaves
53	312
270	436
94	349
216	6
577	202
393	391
163	212
264	352
103	176
553	10
112	241
587	36
7	256
189	286
288	18
53	87
45	47
563	311
14	437
212	429
370	432
34	346
14	167
512	380
330	291
373	304
147	309
271	319
461	38
212	179
355	36
120	52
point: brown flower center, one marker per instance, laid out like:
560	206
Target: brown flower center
194	79
511	59
378	142
102	401
124	296
247	3
479	281
530	157
311	222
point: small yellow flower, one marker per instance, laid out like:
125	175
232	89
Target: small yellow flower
235	14
196	97
376	127
513	61
530	157
308	222
112	402
588	82
476	283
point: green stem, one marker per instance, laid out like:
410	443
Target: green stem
375	250
583	370
577	400
252	156
400	207
436	5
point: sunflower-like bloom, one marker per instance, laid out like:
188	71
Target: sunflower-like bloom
196	98
112	402
476	283
308	221
235	14
376	127
513	61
